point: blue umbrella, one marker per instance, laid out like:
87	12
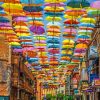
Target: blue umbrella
83	36
4	20
25	37
53	14
78	3
32	1
87	25
53	45
32	9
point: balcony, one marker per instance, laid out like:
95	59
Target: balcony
21	84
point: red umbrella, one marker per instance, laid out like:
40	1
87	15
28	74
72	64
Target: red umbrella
71	21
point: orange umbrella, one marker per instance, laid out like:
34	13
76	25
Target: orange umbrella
81	45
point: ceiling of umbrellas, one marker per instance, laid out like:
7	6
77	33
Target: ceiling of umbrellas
52	35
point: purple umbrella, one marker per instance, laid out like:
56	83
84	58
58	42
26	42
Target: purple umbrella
54	4
20	19
37	29
96	5
5	24
80	50
18	50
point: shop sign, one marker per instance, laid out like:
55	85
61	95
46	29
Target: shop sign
76	91
85	85
93	76
4	98
93	52
97	82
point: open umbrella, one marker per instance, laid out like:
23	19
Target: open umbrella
32	8
78	4
37	29
4	20
95	4
32	1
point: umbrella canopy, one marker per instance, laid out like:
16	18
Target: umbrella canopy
88	20
81	45
32	2
55	4
75	12
78	4
4	20
37	29
32	8
95	4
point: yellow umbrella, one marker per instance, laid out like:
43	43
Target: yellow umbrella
66	52
12	6
53	34
50	18
40	44
68	41
88	20
15	43
22	34
55	1
53	9
21	27
81	45
67	46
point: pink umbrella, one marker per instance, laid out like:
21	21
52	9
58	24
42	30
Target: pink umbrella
5	24
54	4
96	5
80	50
18	50
20	19
70	30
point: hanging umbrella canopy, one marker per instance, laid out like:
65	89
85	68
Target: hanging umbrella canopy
54	24
81	45
4	20
32	1
37	29
53	9
70	31
14	43
20	23
78	4
55	4
96	4
80	50
53	30
53	13
53	34
35	19
53	45
86	28
55	1
34	14
88	20
94	12
32	8
68	42
75	12
12	6
39	37
87	25
83	36
71	21
36	23
50	18
20	18
85	32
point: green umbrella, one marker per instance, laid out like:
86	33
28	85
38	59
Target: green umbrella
78	4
